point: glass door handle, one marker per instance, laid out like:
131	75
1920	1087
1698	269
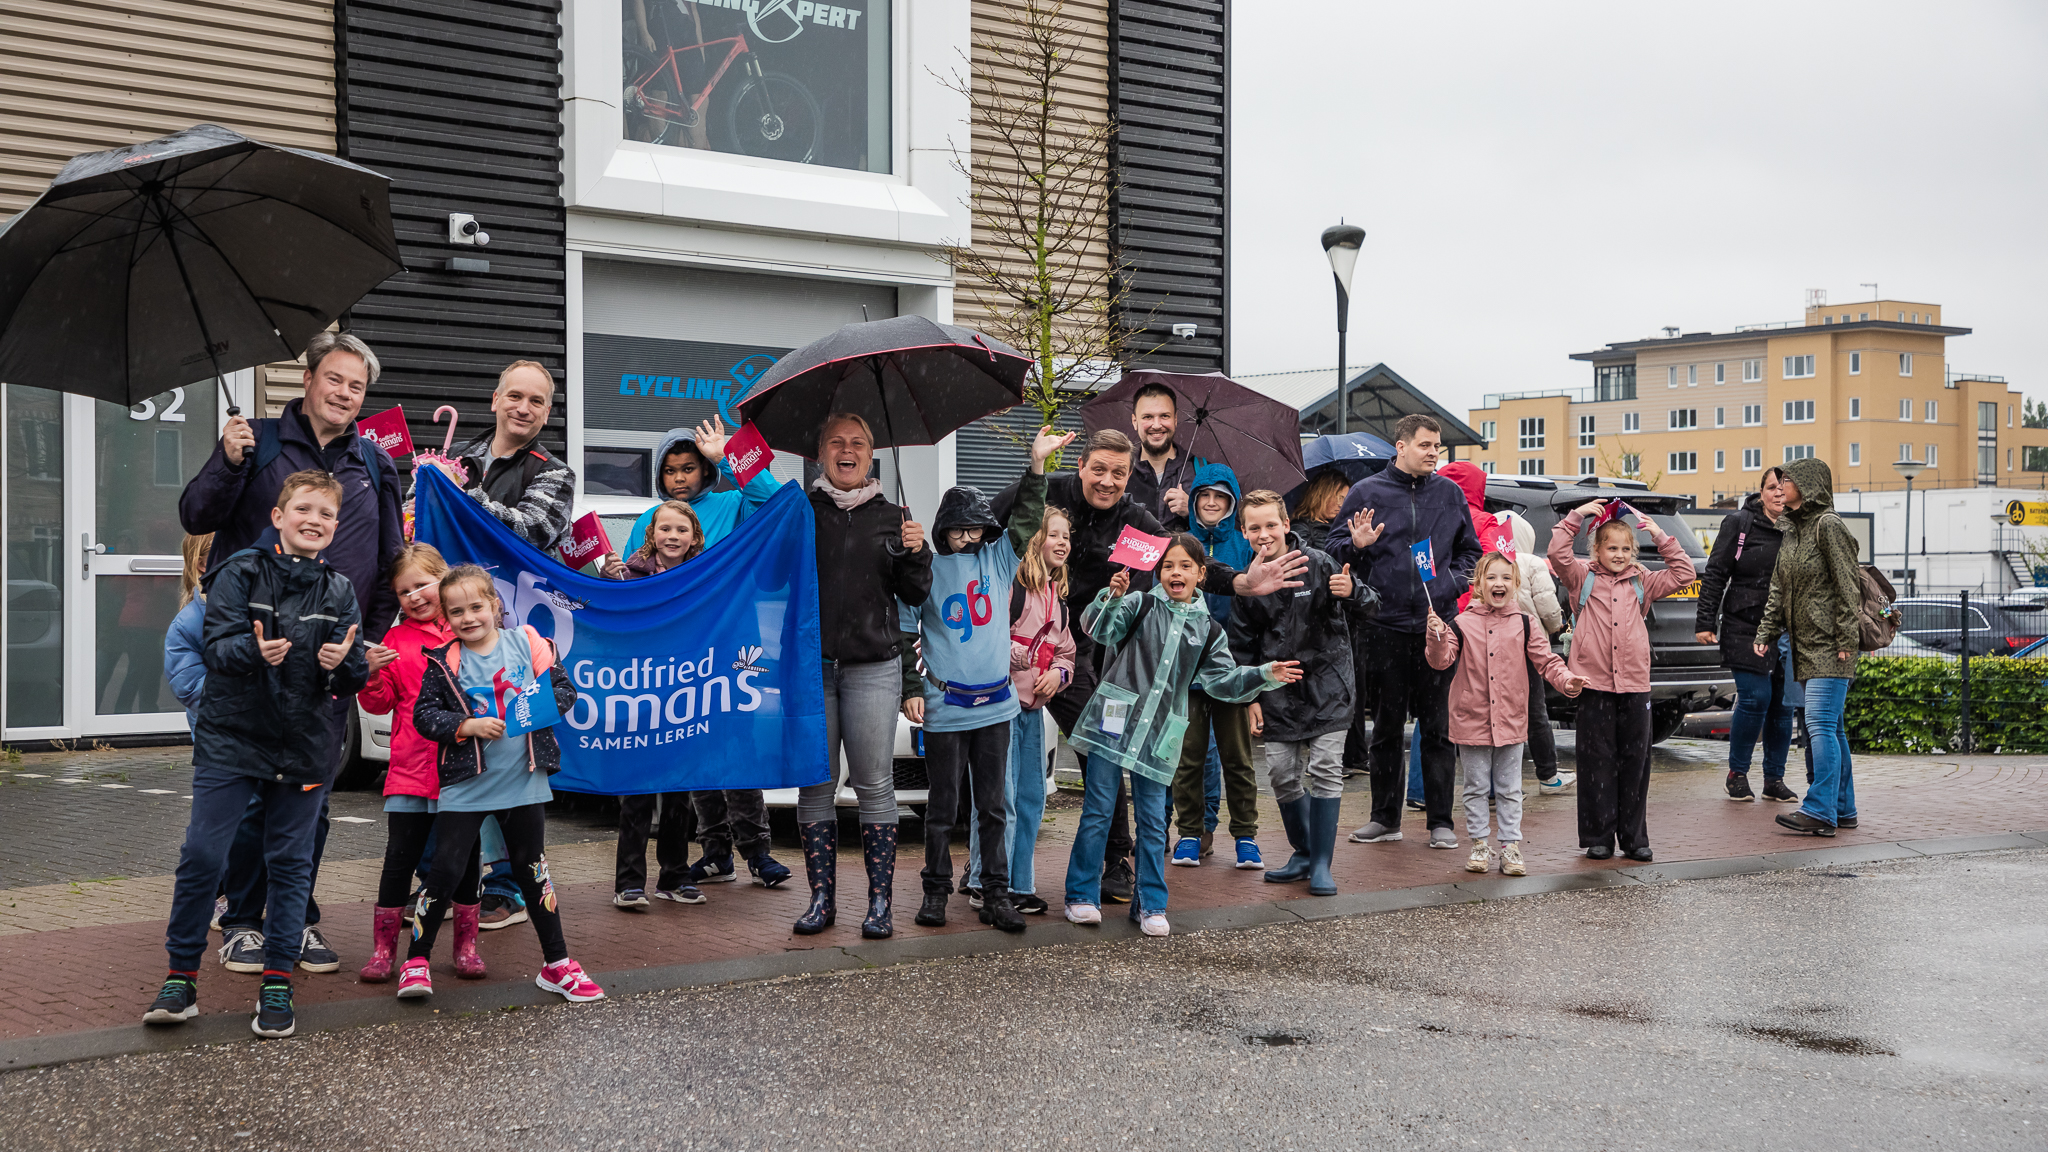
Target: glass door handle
157	566
88	550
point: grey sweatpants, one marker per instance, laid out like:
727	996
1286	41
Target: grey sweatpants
1497	771
1297	768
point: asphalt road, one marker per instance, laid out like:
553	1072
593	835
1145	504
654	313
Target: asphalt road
1869	1007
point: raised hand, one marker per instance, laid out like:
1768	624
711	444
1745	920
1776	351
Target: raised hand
378	656
1341	585
1044	445
331	655
235	439
913	536
1591	508
1285	671
1120	583
272	651
711	439
1364	533
1266	577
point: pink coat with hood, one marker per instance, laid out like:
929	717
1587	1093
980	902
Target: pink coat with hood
1043	620
1610	635
1490	689
394	689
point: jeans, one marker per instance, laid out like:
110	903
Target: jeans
734	821
1415	784
1760	710
860	722
1405	684
497	860
1614	769
1024	799
1833	795
291	816
1212	787
672	842
1497	771
1065	708
982	755
247	881
1306	767
1148	812
1232	726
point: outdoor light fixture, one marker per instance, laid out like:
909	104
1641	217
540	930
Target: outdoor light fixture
1908	469
1341	243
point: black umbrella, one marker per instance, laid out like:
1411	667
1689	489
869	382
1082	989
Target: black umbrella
915	381
139	267
1221	421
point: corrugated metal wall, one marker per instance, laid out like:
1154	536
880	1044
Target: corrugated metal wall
1170	91
82	75
459	102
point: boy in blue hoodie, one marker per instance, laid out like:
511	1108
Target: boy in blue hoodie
963	696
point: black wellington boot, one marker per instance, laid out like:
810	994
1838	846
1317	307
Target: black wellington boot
1322	840
878	849
1294	818
999	909
821	867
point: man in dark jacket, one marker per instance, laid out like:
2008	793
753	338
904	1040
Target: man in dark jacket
1733	589
1406	532
506	470
232	497
282	637
1159	473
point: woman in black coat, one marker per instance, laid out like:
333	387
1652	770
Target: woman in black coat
1733	589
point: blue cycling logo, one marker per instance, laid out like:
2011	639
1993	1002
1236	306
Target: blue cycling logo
740	377
968	610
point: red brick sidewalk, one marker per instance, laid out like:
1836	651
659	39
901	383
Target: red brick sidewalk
104	976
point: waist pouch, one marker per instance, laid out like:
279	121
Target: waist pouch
974	695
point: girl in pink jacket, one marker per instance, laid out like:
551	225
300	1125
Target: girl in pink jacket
1041	666
1492	645
414	782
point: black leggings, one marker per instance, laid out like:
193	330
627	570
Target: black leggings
525	829
402	849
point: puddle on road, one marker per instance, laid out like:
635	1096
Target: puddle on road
1819	1041
1627	1013
1276	1039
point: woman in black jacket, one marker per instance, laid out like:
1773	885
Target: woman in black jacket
870	555
1733	589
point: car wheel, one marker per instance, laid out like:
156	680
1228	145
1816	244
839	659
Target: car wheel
356	773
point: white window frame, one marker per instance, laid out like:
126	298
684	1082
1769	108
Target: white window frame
1798	452
1752	459
1798	367
1681	419
1906	411
1799	411
1486	466
1671	376
1933	412
1692	375
1489	430
1752	371
1632	462
1933	459
1530	433
1752	415
1855	407
1586	431
1855	363
1720	373
1905	451
1631	421
1720	460
1905	363
1720	417
1588	466
1682	463
1855	452
1531	467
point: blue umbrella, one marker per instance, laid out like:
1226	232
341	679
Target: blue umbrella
1355	454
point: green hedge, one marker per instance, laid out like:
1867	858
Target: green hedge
1913	704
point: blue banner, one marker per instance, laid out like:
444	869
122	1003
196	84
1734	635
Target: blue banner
707	676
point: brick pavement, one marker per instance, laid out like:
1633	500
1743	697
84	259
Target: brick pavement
98	946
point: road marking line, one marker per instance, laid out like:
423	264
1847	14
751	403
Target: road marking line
158	791
117	785
30	776
353	820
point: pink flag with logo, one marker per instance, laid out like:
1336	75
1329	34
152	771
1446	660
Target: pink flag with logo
748	453
587	541
1134	549
387	430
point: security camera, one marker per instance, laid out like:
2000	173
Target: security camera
1184	331
463	229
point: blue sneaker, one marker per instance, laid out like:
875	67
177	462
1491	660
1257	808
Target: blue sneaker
1248	854
1188	853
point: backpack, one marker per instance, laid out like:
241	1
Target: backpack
1586	592
269	445
1877	623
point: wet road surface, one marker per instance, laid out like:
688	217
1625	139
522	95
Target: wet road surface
1871	1006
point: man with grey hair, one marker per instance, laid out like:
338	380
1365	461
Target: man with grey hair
506	470
232	497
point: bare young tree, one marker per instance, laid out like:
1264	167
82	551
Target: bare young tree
1040	271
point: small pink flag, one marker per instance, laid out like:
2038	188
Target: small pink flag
748	453
587	540
1134	549
387	430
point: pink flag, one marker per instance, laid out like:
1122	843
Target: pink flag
387	430
587	540
748	453
1134	549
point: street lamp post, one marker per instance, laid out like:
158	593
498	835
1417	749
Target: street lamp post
1908	468
1341	243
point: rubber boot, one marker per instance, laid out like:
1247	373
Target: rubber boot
468	964
878	849
999	909
384	926
821	867
1294	818
1322	843
932	914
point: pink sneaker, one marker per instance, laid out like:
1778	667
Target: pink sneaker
413	981
567	978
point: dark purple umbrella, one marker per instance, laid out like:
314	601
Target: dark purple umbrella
915	381
1221	421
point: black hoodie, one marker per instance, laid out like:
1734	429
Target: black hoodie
862	572
1737	581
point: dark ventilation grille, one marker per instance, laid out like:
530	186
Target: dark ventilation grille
459	102
1169	84
991	453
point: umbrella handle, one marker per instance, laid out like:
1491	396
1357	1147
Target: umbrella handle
449	440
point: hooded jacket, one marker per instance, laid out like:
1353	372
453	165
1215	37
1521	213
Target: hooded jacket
1538	596
275	722
1223	541
964	623
1306	624
1737	582
530	491
862	573
719	511
1610	638
1041	624
1411	509
1489	651
1139	711
185	658
1816	589
440	711
233	501
395	688
1492	538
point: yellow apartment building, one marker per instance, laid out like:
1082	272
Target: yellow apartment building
1703	413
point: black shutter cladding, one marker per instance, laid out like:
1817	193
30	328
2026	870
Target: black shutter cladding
1169	84
459	102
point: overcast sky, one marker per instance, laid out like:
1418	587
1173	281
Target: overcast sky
1537	180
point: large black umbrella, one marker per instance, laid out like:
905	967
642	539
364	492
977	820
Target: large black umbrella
1221	421
141	269
915	381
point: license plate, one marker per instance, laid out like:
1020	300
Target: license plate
1689	592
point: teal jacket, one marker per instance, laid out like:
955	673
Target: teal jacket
1162	648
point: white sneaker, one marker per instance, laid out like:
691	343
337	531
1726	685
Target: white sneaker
1154	924
1083	914
1564	780
1481	859
1511	859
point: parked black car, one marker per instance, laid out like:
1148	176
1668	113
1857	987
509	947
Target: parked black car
1685	675
1996	627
